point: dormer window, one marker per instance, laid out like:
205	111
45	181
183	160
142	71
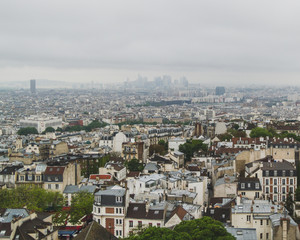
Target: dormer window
243	185
118	199
256	185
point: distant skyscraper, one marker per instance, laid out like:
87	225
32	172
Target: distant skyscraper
32	86
220	91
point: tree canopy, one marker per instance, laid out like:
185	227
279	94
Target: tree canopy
49	129
28	130
134	165
204	228
191	147
260	132
37	199
81	205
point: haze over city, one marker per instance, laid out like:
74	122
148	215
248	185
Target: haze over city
208	42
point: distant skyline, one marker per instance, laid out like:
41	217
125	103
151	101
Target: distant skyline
209	42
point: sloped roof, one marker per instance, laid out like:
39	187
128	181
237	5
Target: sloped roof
95	231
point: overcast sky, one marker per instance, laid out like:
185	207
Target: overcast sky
221	42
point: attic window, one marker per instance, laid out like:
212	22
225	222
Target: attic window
2	233
51	169
156	212
57	169
135	208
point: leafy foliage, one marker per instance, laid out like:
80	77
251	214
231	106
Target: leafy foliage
157	148
81	205
191	147
49	129
289	204
204	228
28	130
94	124
260	132
37	199
134	165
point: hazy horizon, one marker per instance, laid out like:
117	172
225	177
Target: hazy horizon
209	42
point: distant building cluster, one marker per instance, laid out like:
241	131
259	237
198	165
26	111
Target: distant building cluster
154	158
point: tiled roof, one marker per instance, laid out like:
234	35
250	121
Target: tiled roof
52	170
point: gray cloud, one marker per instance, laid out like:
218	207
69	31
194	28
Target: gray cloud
106	39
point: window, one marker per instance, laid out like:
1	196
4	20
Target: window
99	221
261	222
120	210
99	210
291	173
283	198
29	177
243	185
150	224
291	181
283	173
283	181
117	210
275	189
118	199
267	181
140	223
56	186
117	232
275	173
275	198
243	193
120	221
223	215
249	185
267	221
22	178
120	232
275	181
56	179
130	223
256	185
267	190
49	179
117	221
291	189
49	186
38	178
212	211
267	173
283	190
267	235
248	218
261	236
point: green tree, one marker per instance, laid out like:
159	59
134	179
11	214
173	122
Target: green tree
28	130
204	228
225	137
297	194
191	147
81	205
134	165
157	148
289	204
164	144
49	129
260	132
37	199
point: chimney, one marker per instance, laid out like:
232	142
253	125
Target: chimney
238	200
147	206
272	209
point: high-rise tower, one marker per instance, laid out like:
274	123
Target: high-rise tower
32	86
